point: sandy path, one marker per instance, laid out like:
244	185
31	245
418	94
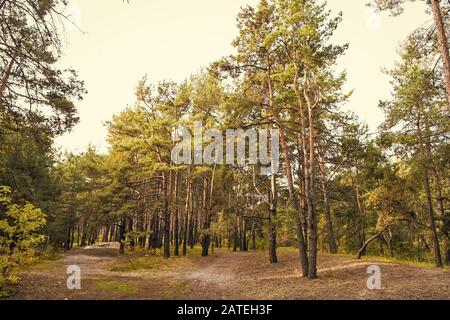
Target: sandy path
215	279
227	275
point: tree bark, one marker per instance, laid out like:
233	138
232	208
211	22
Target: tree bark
294	203
425	151
272	216
253	236
122	231
166	215
359	206
366	243
176	236
443	44
437	250
7	74
206	237
186	212
272	237
105	233
312	215
326	202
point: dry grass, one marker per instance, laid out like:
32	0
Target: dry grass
227	275
115	286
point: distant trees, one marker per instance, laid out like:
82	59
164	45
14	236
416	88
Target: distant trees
84	180
418	122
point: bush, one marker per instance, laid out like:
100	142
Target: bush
19	236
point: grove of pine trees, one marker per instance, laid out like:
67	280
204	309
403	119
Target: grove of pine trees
339	189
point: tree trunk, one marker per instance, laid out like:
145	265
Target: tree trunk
176	231
193	231
167	190
272	237
112	232
186	213
253	236
425	150
122	236
132	238
294	203
272	199
326	202
312	215
236	235
437	250
244	236
7	73
306	183
359	206
443	44
365	244
68	239
206	241
272	216
105	233
206	237
84	236
388	238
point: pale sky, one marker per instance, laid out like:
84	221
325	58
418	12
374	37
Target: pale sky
171	39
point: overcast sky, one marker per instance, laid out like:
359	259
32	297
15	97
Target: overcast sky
171	39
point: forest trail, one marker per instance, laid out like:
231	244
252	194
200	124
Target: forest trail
219	274
224	275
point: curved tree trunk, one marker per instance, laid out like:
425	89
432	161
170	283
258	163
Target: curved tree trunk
363	248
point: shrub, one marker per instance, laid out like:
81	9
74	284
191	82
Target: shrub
19	236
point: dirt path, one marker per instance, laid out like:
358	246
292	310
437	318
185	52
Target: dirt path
219	275
224	275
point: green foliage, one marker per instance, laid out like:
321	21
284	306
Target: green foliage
141	263
285	222
115	286
284	45
19	236
32	89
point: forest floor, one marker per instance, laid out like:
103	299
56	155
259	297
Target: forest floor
224	275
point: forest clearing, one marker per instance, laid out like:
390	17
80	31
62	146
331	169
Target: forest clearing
225	275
